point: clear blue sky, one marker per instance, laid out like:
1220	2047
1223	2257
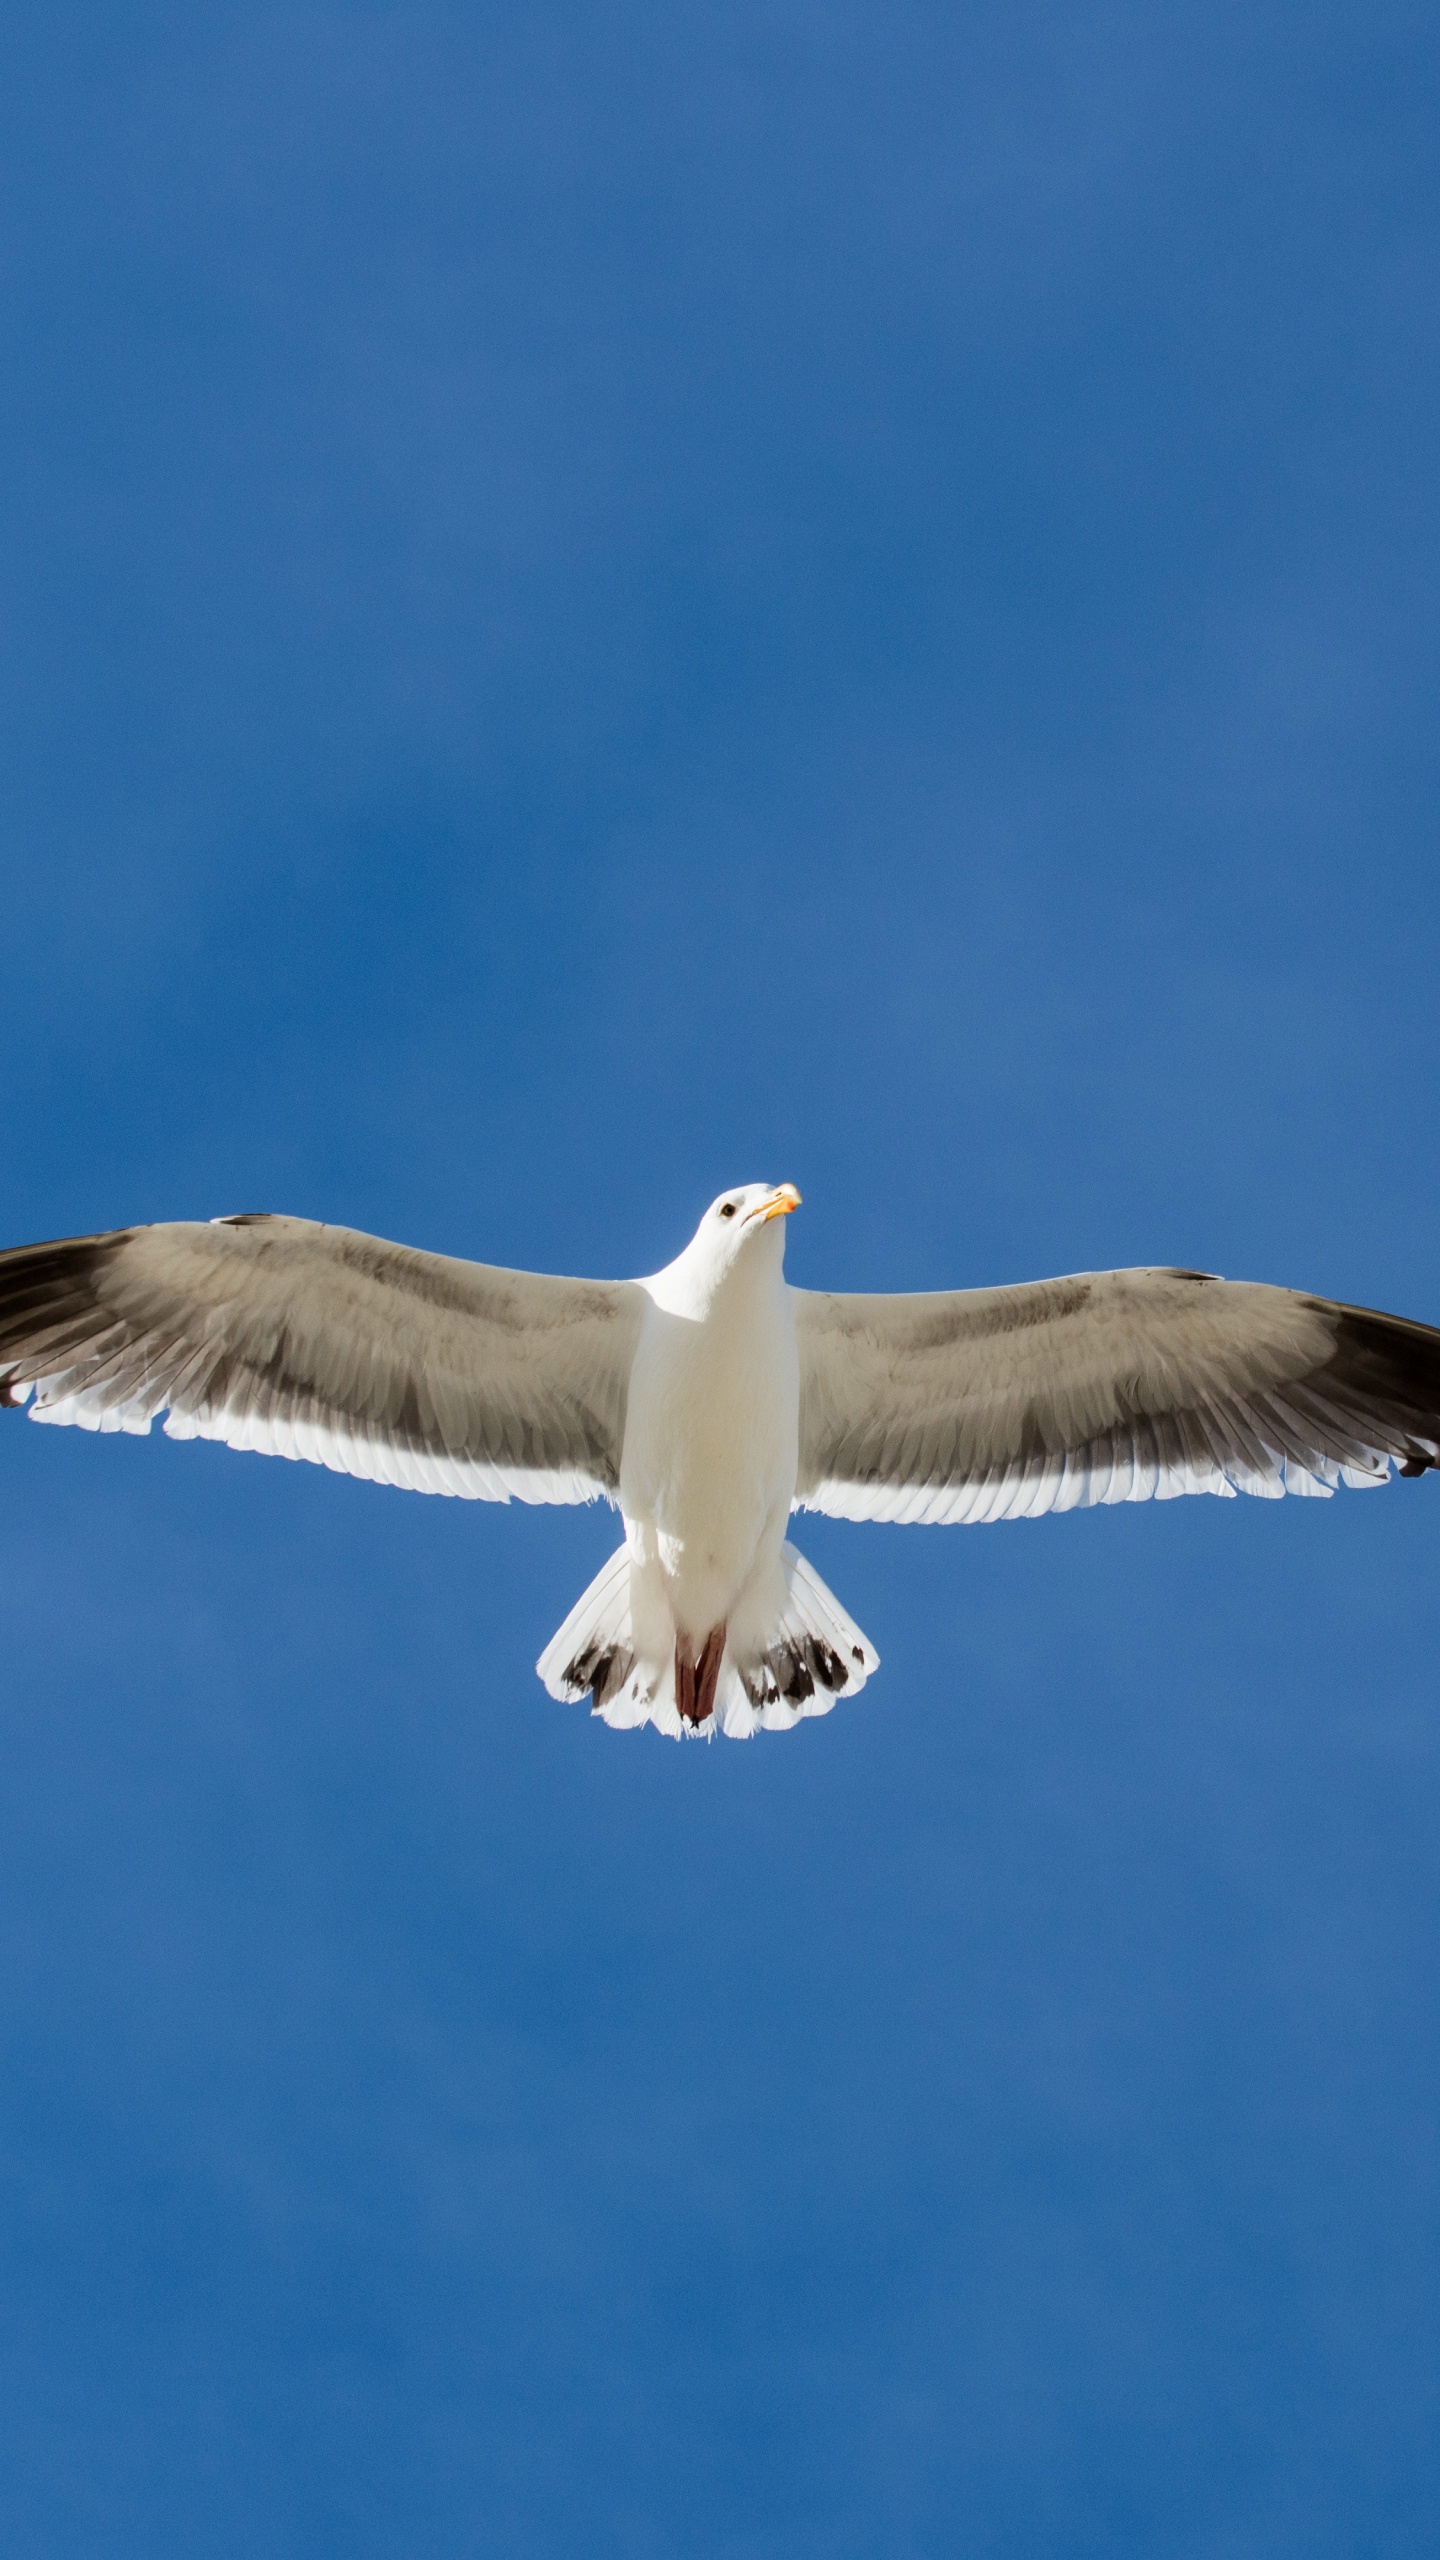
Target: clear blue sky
598	602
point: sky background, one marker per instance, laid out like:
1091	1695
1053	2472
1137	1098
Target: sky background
597	602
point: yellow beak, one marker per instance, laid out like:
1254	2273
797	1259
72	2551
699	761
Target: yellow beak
777	1204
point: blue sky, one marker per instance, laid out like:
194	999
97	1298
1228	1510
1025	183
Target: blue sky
595	603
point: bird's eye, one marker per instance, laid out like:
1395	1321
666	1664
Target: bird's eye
727	1209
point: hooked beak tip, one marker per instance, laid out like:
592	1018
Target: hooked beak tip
781	1201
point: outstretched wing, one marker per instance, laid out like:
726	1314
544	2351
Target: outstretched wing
309	1341
1113	1386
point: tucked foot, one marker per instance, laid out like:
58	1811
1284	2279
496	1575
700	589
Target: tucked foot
695	1681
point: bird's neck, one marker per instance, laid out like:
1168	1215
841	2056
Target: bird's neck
735	1294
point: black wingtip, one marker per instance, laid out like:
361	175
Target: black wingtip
1386	1371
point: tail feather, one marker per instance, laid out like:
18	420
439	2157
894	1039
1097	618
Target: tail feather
594	1651
618	1647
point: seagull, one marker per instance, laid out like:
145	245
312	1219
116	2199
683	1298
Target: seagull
709	1402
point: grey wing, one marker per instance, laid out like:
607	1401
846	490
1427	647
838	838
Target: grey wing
1112	1386
310	1341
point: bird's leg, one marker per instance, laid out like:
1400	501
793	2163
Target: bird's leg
695	1682
707	1673
685	1680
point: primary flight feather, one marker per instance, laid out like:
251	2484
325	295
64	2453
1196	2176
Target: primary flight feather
709	1402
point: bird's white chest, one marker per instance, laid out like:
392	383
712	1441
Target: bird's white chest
707	1474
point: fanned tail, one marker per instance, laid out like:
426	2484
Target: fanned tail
618	1647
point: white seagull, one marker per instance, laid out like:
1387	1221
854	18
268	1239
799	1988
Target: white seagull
707	1404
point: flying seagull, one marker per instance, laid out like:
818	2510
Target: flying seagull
707	1404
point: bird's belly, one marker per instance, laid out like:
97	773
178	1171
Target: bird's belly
708	1477
711	1515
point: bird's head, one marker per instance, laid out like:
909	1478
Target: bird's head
747	1221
